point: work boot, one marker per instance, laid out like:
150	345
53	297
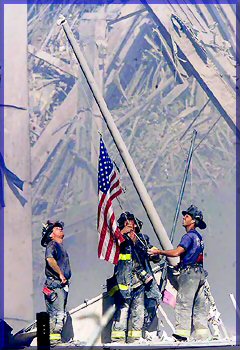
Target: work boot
77	342
149	335
55	339
179	337
215	337
61	344
54	343
136	341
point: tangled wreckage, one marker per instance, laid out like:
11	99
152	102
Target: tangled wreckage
163	70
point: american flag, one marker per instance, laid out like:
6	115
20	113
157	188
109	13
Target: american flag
109	188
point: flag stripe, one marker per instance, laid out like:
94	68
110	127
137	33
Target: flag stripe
108	189
104	215
106	243
104	224
115	185
116	194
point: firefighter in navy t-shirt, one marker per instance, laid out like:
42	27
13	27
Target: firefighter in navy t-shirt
191	311
58	274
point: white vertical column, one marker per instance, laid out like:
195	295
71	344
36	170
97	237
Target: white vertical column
18	289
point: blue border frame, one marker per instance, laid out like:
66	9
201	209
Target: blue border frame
237	171
100	2
2	151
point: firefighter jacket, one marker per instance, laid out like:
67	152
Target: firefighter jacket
133	260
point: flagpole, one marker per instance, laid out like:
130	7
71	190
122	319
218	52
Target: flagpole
132	170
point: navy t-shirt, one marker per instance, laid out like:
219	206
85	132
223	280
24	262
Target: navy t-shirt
193	244
59	253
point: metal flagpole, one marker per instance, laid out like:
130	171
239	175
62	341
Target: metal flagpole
190	153
133	173
180	197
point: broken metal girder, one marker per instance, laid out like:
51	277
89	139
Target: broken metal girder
53	61
122	18
195	61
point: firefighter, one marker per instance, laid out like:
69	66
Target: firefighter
58	274
191	311
133	281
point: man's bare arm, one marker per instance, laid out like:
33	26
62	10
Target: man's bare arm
52	262
171	253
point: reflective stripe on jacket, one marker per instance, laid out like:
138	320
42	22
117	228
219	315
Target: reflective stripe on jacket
132	255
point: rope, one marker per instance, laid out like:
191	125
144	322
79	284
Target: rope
192	122
214	124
